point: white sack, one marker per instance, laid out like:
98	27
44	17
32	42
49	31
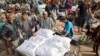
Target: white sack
66	43
63	51
45	33
37	39
65	46
46	51
27	48
55	42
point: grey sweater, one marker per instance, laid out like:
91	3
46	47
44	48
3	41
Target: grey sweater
25	25
47	24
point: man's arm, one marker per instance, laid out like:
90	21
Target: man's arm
4	33
40	24
52	23
68	28
77	13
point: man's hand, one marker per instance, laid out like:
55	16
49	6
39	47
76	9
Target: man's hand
9	39
23	33
65	34
34	34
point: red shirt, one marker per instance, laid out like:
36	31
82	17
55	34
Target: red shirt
13	10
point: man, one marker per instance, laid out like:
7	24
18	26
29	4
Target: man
1	26
33	19
4	41
10	34
8	1
48	8
46	22
68	27
82	14
25	25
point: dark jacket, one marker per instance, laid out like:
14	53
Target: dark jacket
1	26
10	30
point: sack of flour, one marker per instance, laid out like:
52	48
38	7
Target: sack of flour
65	47
46	51
37	39
45	33
27	48
66	43
63	51
55	42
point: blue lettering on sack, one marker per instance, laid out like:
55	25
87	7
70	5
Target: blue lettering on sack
53	41
30	46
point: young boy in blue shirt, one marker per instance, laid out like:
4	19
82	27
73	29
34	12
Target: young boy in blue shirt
68	27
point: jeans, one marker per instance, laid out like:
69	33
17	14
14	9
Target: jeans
88	19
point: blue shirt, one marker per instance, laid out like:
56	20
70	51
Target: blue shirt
69	29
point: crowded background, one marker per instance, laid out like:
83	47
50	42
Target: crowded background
21	19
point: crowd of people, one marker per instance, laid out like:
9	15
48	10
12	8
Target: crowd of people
20	19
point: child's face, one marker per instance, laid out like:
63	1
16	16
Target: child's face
65	21
25	16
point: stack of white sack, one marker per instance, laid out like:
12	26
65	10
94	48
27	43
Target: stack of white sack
45	44
27	48
45	33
